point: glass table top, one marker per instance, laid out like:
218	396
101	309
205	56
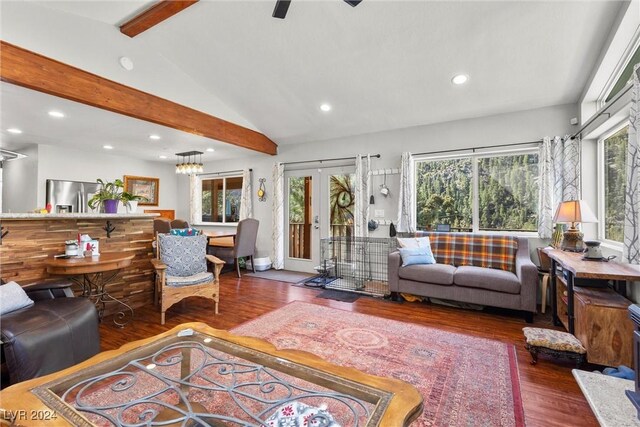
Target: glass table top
202	379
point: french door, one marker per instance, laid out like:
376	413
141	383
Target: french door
319	203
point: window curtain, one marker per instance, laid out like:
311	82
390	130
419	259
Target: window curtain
559	160
246	206
406	215
277	233
195	199
631	249
363	192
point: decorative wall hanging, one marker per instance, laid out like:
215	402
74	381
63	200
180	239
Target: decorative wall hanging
262	193
143	186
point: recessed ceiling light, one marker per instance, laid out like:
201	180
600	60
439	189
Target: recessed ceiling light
154	137
211	150
459	79
14	130
108	147
126	63
325	107
163	157
56	114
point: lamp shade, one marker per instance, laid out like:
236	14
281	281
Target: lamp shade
574	211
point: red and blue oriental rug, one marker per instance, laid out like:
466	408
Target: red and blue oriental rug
464	380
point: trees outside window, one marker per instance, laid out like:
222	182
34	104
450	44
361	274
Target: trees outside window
613	169
506	198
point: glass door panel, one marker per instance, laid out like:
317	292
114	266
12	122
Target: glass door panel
342	202
300	211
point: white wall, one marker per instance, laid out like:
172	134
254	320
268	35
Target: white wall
55	162
509	128
95	46
20	179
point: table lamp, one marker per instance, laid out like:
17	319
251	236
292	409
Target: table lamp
573	211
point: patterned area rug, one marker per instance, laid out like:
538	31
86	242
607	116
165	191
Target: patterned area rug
464	380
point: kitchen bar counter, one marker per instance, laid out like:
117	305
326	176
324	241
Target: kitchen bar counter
39	216
31	240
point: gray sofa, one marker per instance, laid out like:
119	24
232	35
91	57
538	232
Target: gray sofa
452	278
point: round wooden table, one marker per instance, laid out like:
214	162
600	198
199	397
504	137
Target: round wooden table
93	274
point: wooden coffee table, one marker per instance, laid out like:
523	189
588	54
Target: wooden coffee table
208	377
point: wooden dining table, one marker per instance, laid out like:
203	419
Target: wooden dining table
225	239
93	274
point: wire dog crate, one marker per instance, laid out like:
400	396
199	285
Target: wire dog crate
355	264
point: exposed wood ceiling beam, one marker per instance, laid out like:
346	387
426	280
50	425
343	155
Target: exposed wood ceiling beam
151	17
34	71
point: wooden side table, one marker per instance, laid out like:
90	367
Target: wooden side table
93	274
597	316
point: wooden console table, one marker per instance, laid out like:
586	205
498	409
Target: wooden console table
93	280
596	315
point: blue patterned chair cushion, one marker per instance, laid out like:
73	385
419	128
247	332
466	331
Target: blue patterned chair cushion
196	279
183	256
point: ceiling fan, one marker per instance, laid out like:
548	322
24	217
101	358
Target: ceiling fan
280	11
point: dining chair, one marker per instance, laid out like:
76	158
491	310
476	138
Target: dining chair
179	223
243	246
161	225
181	271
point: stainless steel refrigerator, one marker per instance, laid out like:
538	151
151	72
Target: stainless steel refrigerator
70	196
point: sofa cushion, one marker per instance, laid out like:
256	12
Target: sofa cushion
439	274
479	250
487	278
415	256
414	242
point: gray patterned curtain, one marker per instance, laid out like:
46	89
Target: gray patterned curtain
362	190
277	230
195	199
246	205
559	161
406	214
631	250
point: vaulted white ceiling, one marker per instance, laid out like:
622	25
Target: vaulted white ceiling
381	65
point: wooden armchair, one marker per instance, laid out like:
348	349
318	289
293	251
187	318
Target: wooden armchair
181	271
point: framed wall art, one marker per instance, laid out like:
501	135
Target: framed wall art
143	186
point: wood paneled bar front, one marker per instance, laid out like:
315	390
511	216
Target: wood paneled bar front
30	240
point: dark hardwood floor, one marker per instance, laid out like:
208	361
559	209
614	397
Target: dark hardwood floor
551	396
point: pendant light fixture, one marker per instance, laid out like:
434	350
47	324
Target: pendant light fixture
186	165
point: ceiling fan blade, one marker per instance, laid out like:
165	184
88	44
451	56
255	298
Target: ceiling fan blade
352	3
280	11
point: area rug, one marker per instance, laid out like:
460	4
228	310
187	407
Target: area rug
464	380
338	295
282	275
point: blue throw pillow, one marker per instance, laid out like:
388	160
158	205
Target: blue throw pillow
412	256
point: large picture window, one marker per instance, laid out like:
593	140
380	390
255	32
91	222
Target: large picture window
221	199
478	192
613	166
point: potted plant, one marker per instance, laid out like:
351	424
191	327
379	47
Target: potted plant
109	195
131	201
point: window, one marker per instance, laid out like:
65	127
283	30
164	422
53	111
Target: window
221	199
444	196
625	77
506	187
613	169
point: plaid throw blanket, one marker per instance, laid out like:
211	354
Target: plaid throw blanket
490	251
